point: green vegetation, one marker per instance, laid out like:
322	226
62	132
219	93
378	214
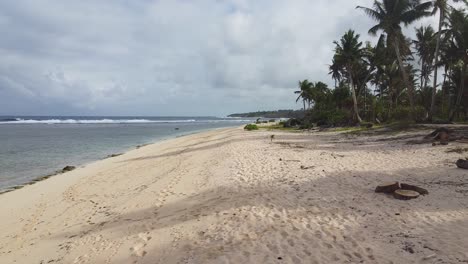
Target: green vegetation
279	127
395	79
251	127
272	114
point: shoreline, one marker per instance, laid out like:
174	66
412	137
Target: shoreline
58	172
229	195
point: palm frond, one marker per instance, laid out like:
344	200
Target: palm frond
371	12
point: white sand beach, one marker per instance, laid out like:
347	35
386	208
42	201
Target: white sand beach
232	196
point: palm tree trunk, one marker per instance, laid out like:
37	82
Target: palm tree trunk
436	61
460	92
353	94
405	77
303	101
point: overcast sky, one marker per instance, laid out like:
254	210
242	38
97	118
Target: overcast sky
166	57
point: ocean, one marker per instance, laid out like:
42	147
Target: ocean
31	146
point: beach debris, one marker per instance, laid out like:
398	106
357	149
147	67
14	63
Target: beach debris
462	164
405	186
405	194
68	168
272	137
306	167
389	187
402	191
458	150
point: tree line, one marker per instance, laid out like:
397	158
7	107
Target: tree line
397	77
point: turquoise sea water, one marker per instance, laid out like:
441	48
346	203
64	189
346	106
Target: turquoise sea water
31	147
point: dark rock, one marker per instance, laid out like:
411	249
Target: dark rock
68	168
462	164
115	155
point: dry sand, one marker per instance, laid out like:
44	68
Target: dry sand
225	196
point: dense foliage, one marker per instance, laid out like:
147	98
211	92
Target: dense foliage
396	78
272	114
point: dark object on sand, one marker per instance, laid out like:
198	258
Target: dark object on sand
115	155
405	194
306	167
68	168
462	164
292	122
401	191
415	188
272	137
389	187
436	134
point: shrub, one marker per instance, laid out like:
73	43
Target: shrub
251	127
403	113
272	121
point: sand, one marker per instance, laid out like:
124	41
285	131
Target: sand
232	196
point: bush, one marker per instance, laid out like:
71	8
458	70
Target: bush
403	113
251	127
330	117
272	121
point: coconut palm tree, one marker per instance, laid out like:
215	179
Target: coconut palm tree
425	46
390	14
304	91
348	55
459	42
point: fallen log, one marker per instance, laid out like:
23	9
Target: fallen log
405	194
415	188
387	187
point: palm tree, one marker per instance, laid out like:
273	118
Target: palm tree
390	14
304	91
442	7
348	55
459	42
425	47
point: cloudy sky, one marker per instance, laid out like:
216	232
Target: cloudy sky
166	57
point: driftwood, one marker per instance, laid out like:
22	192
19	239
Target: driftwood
389	187
405	194
462	164
415	188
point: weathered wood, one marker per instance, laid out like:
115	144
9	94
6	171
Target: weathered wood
462	164
389	187
415	188
405	194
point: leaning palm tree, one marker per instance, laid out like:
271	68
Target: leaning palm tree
390	14
304	91
348	56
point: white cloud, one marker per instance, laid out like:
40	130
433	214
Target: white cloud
165	57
